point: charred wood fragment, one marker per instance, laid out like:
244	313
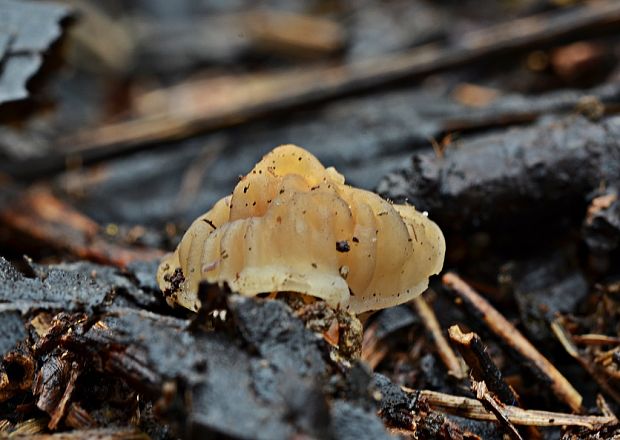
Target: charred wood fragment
483	369
514	177
543	287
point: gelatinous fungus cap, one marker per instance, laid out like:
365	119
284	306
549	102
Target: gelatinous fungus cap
293	225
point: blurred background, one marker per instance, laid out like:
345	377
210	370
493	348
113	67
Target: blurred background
141	114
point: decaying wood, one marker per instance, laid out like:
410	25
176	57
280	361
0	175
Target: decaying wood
78	418
512	337
117	354
452	363
472	408
524	177
54	385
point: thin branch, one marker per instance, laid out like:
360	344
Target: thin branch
495	407
450	360
473	409
567	342
501	327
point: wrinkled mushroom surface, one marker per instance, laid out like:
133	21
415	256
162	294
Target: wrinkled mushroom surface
293	225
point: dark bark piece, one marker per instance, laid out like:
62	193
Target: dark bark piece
350	422
395	406
266	381
278	337
406	411
11	330
239	412
16	71
70	286
145	273
544	287
33	27
148	350
512	178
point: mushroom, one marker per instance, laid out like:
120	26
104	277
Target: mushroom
292	225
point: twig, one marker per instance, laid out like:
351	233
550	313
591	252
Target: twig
491	405
471	408
444	350
28	428
515	340
591	339
567	342
484	371
602	404
482	366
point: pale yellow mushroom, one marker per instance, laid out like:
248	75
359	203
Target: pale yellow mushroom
292	225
